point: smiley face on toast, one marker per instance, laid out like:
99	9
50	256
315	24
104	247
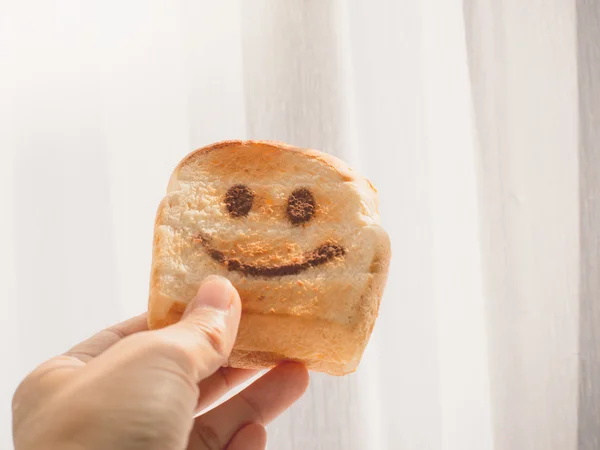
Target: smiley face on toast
297	234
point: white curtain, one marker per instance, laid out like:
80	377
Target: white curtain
477	122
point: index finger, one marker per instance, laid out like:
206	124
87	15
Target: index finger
102	341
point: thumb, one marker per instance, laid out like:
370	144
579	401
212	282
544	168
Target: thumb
200	343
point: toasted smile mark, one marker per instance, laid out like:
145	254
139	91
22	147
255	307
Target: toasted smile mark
319	256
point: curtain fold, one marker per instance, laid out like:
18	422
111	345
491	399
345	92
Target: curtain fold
523	65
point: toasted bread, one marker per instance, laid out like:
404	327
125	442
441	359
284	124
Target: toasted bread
296	232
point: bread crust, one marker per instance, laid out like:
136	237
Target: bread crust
322	317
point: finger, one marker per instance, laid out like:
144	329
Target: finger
43	382
49	375
251	437
52	373
102	341
221	382
260	403
200	343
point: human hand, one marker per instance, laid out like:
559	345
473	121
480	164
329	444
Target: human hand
128	388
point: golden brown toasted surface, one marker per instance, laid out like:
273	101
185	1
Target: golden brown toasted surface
297	233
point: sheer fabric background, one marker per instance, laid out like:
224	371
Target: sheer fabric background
475	121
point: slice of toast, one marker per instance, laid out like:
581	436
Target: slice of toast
296	232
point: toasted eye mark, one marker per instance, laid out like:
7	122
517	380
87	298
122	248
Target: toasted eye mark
239	199
301	206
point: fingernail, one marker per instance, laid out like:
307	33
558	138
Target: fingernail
215	292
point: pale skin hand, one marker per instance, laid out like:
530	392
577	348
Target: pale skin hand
128	388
